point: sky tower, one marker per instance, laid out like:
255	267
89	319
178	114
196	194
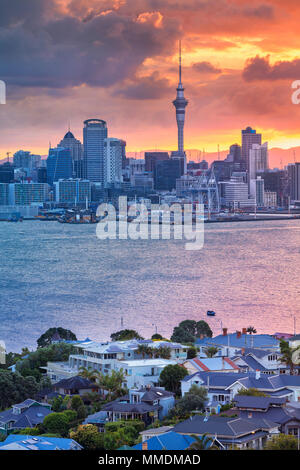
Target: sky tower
180	104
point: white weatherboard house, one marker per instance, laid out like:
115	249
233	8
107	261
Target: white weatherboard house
222	387
104	357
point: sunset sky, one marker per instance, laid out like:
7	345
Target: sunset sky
65	61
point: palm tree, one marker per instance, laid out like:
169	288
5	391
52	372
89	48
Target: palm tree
203	442
289	357
211	351
89	373
251	330
163	351
144	350
112	383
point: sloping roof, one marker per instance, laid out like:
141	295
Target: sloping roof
76	382
212	363
169	441
253	363
229	427
260	403
243	341
155	393
21	442
30	417
96	418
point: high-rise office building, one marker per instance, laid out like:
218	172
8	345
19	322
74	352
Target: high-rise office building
7	172
94	135
258	159
4	194
151	158
294	175
124	158
166	174
249	137
180	104
59	164
76	148
24	194
72	191
113	154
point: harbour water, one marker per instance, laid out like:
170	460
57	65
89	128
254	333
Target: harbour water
62	275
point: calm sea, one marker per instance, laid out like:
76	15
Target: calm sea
61	275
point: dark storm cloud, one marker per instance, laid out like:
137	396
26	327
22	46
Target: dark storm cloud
206	67
259	68
65	51
146	88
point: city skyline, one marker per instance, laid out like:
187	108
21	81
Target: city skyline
238	72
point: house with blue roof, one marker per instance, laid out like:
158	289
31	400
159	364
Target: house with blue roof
223	387
265	360
27	414
170	441
229	344
22	442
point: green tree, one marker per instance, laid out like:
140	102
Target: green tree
171	377
163	352
125	335
76	402
39	358
112	383
193	400
88	437
144	350
90	374
203	442
192	352
156	336
45	339
14	388
211	351
289	356
180	335
282	442
122	433
203	329
57	423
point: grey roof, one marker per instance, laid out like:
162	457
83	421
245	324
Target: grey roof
76	382
155	393
28	418
261	403
276	415
260	353
96	418
270	383
220	426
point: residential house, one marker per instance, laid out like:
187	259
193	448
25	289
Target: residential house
229	344
21	442
75	386
171	441
210	364
142	372
265	360
274	409
223	387
230	432
98	419
147	404
27	414
105	357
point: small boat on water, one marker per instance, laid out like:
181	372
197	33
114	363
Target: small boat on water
210	313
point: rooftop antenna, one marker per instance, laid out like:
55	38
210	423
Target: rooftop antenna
294	152
8	154
179	61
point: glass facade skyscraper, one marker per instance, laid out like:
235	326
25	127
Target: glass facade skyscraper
94	135
59	164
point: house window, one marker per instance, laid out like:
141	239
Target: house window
221	398
293	431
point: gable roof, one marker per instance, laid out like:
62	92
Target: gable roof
207	364
169	441
222	427
28	418
259	403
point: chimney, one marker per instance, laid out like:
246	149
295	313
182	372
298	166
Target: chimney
225	331
238	334
243	351
244	331
257	374
145	445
